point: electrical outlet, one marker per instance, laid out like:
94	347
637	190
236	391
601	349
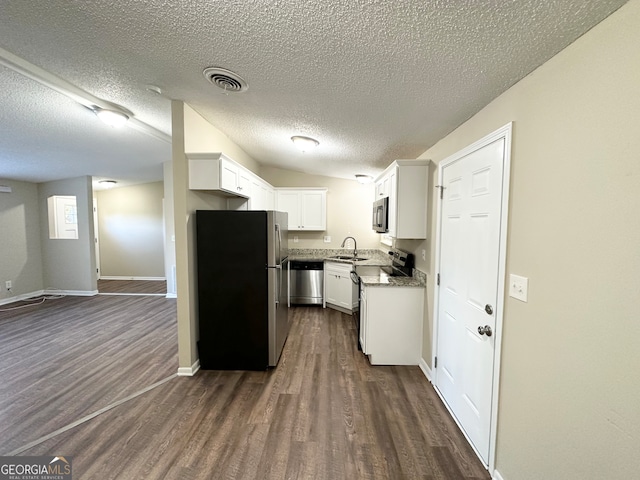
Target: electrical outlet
8	284
518	287
424	255
295	239
327	239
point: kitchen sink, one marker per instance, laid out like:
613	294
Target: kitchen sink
348	257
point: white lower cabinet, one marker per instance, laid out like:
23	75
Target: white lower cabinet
339	290
391	324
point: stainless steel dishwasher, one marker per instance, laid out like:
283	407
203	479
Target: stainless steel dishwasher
306	280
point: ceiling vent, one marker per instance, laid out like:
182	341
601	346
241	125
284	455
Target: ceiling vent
225	79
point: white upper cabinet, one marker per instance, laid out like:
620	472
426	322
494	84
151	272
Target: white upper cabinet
307	207
405	182
217	173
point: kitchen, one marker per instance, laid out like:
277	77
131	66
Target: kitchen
222	279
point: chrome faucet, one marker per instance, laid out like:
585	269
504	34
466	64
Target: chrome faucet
355	246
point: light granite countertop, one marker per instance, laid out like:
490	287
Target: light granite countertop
373	258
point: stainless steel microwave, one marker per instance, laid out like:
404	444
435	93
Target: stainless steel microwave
381	215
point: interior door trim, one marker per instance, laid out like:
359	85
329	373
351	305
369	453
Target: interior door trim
504	132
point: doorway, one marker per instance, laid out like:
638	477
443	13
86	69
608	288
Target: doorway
471	257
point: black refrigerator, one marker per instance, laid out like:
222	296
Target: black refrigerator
242	288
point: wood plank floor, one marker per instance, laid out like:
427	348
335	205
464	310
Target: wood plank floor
132	286
323	413
67	358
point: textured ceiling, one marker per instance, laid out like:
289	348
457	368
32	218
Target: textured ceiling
372	80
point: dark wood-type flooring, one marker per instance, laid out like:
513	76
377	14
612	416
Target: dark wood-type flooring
67	358
323	413
132	286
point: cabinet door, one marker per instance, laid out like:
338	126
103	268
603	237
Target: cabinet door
244	183
382	188
271	198
393	203
289	202
313	214
331	288
229	176
345	289
339	287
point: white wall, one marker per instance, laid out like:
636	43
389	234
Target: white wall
169	230
348	209
569	393
20	255
69	264
131	231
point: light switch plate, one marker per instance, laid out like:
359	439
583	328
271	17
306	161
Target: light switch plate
518	287
295	239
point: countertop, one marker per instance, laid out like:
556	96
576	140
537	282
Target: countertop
373	258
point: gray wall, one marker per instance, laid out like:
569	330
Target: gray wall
69	264
569	387
20	255
131	231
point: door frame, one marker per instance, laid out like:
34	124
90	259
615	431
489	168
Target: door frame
504	132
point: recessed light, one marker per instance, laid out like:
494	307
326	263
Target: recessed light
364	178
304	143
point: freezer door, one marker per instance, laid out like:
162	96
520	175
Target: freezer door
278	312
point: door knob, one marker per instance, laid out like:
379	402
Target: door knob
486	330
488	308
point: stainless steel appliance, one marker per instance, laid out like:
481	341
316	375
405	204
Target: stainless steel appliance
242	289
380	217
306	280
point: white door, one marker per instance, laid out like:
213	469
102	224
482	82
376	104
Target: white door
470	293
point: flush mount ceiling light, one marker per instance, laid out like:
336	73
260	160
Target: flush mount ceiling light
364	178
49	80
304	144
108	183
113	118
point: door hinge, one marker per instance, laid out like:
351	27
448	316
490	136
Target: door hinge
438	279
435	362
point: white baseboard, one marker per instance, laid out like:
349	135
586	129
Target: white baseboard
18	298
425	369
171	295
49	291
496	475
71	293
189	371
114	277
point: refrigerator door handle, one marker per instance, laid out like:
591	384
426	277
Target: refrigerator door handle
279	248
278	280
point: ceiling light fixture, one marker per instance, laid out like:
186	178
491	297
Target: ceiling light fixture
108	183
304	143
361	178
74	92
113	118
